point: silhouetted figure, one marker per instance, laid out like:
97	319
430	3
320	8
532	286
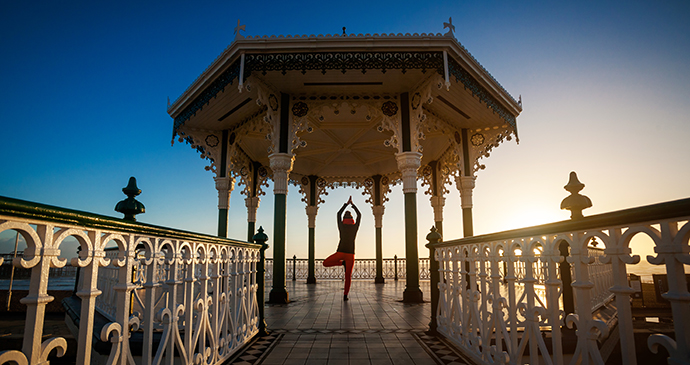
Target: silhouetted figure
345	255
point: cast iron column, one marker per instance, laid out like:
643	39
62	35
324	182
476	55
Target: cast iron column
408	163
224	184
252	205
465	184
252	201
312	209
378	223
378	210
281	164
437	199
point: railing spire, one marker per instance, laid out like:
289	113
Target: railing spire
576	202
130	206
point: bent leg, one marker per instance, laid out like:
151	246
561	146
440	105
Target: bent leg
334	259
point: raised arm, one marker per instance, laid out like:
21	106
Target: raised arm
340	213
359	215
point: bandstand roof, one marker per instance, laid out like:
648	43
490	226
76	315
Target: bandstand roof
337	87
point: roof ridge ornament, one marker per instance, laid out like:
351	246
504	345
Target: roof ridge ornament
238	28
451	28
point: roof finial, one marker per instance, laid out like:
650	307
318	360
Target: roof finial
238	28
344	34
450	26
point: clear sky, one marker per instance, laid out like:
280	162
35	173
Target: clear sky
84	87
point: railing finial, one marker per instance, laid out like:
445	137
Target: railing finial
576	202
433	236
260	237
130	206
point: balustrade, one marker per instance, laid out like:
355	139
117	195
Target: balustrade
363	269
500	296
185	297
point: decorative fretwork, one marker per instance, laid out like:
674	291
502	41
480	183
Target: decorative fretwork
268	96
298	126
369	186
449	166
482	142
469	82
304	187
242	168
425	172
442	179
369	190
218	85
343	61
321	107
385	185
420	96
318	108
357	182
206	143
392	124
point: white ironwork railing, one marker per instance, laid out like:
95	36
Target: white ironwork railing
489	302
188	298
394	268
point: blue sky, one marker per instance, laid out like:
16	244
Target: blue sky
605	90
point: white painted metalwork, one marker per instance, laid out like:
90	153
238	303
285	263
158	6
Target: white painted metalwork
490	306
192	298
363	269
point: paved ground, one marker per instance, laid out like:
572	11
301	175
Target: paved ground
317	327
373	327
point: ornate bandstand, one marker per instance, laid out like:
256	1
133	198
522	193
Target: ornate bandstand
326	111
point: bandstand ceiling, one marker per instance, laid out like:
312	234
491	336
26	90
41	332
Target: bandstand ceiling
344	138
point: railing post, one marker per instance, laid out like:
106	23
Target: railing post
76	280
433	237
260	238
294	267
395	267
568	335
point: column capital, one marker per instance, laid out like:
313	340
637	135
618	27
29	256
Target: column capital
281	164
438	202
312	210
378	215
408	163
465	185
225	185
252	204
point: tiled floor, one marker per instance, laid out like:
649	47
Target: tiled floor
373	327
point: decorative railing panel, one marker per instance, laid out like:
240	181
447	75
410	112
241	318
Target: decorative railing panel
500	294
189	298
363	269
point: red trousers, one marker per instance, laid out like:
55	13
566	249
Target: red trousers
337	259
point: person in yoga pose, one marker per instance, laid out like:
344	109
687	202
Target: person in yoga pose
345	255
